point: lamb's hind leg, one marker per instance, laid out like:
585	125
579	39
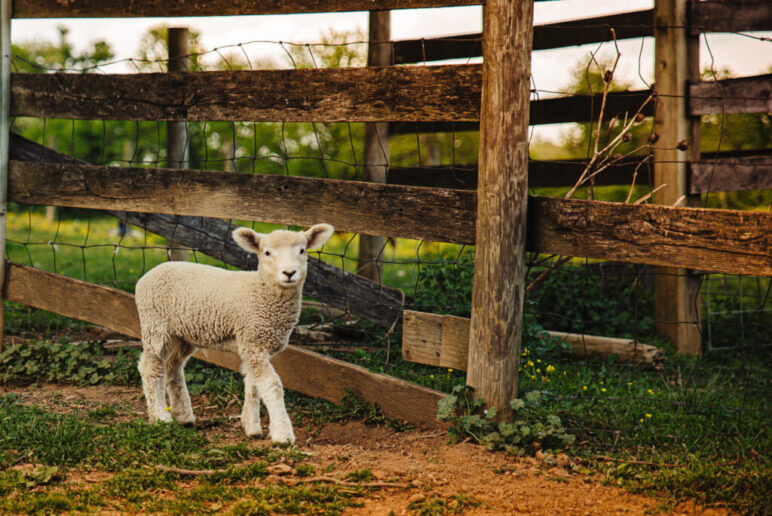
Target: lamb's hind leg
179	398
151	369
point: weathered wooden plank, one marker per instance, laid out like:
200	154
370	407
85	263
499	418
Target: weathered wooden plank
541	174
727	241
300	370
734	242
96	304
727	96
371	94
731	174
633	24
502	198
558	110
730	15
443	341
401	211
163	8
332	285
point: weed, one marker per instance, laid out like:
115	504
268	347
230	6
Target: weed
533	423
436	506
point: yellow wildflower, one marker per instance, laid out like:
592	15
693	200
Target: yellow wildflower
648	416
602	389
650	392
550	369
584	388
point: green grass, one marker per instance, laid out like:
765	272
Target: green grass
61	443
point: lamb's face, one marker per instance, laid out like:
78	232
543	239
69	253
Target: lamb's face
283	254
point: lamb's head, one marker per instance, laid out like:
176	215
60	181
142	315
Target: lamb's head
283	255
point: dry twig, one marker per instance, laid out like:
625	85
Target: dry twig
337	481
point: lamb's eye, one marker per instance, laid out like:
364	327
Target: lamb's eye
268	253
302	251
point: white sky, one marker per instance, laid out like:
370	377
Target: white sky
551	69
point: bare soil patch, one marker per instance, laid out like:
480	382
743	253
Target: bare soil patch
433	469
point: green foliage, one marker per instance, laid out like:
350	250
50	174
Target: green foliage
41	56
353	407
63	362
437	506
445	285
533	423
580	300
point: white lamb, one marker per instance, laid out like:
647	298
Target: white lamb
184	306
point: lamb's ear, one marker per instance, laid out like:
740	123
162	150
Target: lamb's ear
247	239
318	235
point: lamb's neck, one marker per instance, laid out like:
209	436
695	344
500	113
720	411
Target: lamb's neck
275	292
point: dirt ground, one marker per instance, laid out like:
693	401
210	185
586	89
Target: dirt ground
424	461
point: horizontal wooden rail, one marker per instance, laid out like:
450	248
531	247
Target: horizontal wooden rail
541	174
163	8
554	35
729	174
730	15
573	108
300	370
332	285
715	172
367	94
728	241
735	242
728	96
389	210
443	341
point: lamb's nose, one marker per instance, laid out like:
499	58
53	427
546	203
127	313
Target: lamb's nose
289	274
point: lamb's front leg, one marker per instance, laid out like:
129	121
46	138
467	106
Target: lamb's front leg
270	390
250	414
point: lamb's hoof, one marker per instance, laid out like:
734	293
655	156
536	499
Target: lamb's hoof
162	418
282	435
252	431
187	420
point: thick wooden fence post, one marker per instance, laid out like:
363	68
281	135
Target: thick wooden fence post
376	144
497	298
5	127
676	292
177	138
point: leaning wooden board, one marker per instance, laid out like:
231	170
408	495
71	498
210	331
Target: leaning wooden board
443	341
300	370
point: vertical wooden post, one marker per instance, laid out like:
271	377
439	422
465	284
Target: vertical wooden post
177	144
376	144
5	127
499	273
676	292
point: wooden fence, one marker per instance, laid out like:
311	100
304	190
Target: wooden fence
411	98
